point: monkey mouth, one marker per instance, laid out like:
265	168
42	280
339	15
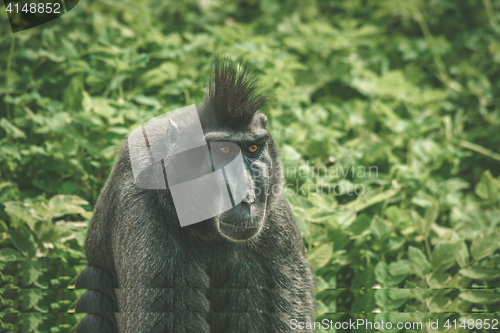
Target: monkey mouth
237	233
240	223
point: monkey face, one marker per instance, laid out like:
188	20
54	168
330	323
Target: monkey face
213	174
244	156
248	181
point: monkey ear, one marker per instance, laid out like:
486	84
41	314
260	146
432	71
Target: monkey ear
261	119
264	120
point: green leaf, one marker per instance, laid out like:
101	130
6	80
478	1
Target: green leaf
12	130
456	184
87	103
445	254
8	254
359	225
69	147
9	150
32	300
50	233
424	308
87	215
381	297
487	188
463	256
158	76
430	217
5	184
393	214
41	210
21	211
394	84
381	272
31	321
147	100
102	108
290	155
424	284
400	267
66	204
480	273
321	307
321	283
176	87
394	280
483	297
362	202
3	226
422	224
394	243
380	229
23	240
484	246
320	255
31	271
384	276
423	199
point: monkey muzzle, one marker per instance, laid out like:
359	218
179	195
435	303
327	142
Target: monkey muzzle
237	223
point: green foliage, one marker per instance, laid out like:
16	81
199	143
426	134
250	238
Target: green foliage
387	122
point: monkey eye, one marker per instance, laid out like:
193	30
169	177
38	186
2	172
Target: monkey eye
223	153
253	148
225	149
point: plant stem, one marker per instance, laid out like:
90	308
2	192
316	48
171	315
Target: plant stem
7	75
479	149
430	41
442	72
465	143
490	12
428	248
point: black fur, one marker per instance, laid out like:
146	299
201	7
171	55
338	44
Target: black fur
147	274
233	94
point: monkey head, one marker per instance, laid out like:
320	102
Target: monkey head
217	157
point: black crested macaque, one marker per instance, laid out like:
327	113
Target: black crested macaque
244	270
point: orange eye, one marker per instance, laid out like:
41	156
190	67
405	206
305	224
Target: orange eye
253	148
225	150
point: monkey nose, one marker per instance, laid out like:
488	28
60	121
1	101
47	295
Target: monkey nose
250	198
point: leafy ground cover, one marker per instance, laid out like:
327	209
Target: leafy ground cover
388	124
